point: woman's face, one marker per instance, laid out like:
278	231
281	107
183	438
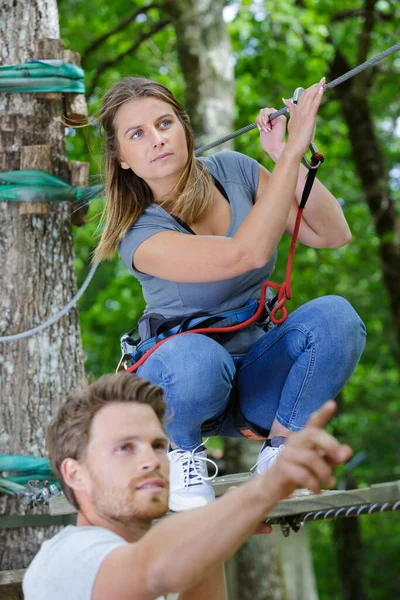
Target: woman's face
152	142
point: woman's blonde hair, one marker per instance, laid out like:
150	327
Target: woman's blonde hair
127	195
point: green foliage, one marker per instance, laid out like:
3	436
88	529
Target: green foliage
111	305
277	47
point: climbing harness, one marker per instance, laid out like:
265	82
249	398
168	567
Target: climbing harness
154	328
29	477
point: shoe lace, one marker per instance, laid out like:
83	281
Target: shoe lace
191	463
272	456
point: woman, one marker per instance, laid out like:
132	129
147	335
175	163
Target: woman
201	235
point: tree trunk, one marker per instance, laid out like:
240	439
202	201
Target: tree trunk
205	57
350	554
271	567
347	539
37	276
258	570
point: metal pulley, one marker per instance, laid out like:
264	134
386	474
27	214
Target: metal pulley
316	157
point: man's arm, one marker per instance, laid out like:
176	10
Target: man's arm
211	587
180	551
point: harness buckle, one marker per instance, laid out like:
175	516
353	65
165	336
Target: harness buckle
267	324
128	346
316	157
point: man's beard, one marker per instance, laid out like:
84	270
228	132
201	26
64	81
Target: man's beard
129	505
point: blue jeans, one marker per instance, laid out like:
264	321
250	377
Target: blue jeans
287	374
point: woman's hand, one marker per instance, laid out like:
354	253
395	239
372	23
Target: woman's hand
303	116
272	133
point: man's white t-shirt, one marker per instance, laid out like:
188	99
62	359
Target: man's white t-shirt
66	566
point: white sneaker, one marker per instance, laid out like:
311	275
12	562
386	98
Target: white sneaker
187	477
267	458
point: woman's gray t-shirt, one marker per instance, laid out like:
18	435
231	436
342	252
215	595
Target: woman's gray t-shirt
238	174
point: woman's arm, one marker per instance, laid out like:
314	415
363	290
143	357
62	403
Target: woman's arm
322	214
323	223
194	259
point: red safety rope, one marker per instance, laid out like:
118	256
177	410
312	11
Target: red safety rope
284	290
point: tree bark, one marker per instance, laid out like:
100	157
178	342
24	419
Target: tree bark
349	546
37	275
259	570
205	58
347	539
271	567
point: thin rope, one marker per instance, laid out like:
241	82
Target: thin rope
283	111
57	316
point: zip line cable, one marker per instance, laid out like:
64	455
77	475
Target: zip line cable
57	316
285	110
226	138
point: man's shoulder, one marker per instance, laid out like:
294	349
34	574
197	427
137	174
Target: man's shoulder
80	535
75	552
78	539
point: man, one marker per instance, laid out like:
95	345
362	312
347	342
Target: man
109	451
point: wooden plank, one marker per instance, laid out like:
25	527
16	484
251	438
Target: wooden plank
11	577
379	493
11	584
29	520
79	177
76	109
59	505
49	48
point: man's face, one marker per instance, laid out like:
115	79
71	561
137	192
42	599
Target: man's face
126	464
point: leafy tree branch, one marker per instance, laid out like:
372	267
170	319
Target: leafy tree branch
120	27
365	35
154	28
